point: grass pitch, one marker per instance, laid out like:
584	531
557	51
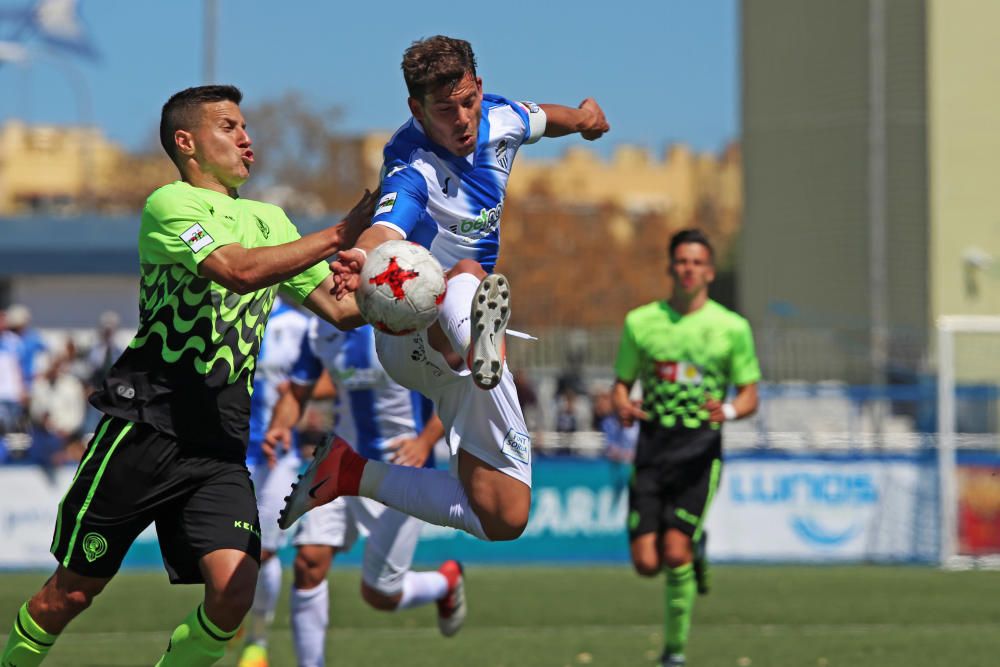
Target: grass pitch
601	616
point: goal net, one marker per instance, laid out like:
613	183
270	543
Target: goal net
968	398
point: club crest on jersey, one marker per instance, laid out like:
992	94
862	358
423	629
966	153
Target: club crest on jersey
196	237
502	154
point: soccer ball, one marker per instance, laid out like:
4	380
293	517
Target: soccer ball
402	287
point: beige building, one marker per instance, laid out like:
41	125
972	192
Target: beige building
831	92
44	165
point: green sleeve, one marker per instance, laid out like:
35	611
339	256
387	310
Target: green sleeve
178	227
627	361
745	368
301	286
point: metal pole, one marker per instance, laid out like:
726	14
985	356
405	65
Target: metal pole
947	489
208	55
878	236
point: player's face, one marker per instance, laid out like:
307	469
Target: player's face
450	114
691	268
221	144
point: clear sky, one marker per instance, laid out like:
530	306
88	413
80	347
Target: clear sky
663	70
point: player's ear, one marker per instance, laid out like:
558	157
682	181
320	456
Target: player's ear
416	108
184	141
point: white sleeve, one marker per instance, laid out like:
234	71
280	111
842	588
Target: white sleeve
536	121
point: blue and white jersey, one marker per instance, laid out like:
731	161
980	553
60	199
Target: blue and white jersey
286	330
450	204
371	410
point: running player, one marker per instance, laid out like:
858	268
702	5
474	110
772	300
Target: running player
382	421
171	447
445	175
686	351
279	349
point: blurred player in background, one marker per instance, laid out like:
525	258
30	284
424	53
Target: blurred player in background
171	447
385	422
445	175
283	338
686	351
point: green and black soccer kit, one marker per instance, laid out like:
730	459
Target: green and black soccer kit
680	361
171	447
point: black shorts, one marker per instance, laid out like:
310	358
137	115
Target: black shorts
667	491
132	475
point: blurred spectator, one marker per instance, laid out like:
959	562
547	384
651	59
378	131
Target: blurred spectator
32	345
528	398
105	351
57	412
12	391
619	441
100	358
566	421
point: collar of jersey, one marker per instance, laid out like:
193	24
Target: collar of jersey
463	163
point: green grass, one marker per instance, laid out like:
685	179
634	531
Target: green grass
600	616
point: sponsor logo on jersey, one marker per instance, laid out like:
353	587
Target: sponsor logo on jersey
502	154
485	224
517	446
395	170
196	237
386	203
680	372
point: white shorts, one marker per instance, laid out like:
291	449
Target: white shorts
486	424
271	486
392	537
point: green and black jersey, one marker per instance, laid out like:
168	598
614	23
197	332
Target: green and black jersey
189	370
680	360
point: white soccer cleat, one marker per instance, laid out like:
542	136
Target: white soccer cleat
452	608
334	471
490	314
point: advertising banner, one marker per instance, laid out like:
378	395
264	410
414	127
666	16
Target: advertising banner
769	507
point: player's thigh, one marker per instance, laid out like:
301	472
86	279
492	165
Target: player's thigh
218	511
271	485
501	502
645	552
489	426
392	540
113	497
692	496
329	525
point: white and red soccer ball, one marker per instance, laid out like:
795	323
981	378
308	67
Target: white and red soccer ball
402	287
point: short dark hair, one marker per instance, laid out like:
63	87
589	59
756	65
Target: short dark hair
691	236
179	113
436	61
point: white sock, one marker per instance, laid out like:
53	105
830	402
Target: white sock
420	588
456	311
265	599
431	495
310	615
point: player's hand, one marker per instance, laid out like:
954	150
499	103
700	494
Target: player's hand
359	218
412	452
714	407
596	124
347	272
629	412
277	441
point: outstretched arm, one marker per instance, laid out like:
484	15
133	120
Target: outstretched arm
243	270
587	119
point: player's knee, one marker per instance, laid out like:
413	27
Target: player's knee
676	559
309	568
64	603
507	525
470	266
378	600
646	565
